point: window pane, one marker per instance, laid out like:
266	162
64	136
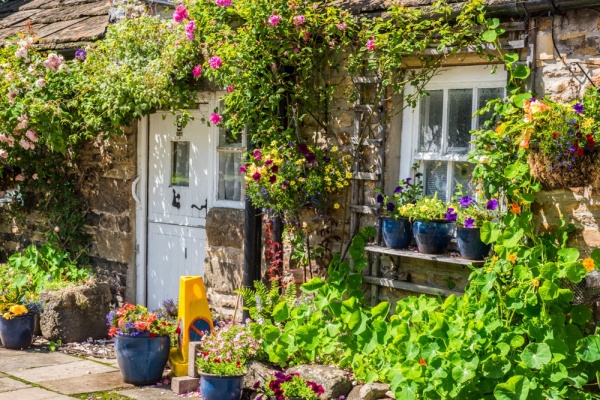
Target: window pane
226	138
180	166
230	180
462	173
436	173
484	96
430	132
460	110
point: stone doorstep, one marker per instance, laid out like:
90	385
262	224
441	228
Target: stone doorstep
16	360
8	384
33	394
102	382
63	371
184	384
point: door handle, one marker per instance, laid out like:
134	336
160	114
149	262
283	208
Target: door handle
202	207
134	189
175	203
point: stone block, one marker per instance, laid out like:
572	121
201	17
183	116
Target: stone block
258	372
225	227
113	246
192	351
184	384
223	269
76	313
335	381
369	391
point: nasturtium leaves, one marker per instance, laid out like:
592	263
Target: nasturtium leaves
520	99
588	348
381	310
281	312
580	314
548	291
568	255
536	355
489	232
313	285
490	35
516	388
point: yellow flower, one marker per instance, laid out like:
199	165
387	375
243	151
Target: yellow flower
336	206
588	263
535	282
8	315
494	260
348	175
293	183
512	258
501	128
18	310
587	123
334	149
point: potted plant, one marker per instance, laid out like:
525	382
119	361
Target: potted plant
288	387
433	225
141	343
222	358
396	227
471	214
16	322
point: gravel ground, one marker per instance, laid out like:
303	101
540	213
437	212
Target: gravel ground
102	348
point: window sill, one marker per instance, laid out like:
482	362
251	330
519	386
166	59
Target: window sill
447	258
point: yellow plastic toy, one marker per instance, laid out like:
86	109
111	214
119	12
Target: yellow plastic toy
194	320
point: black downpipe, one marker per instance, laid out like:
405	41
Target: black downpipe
252	247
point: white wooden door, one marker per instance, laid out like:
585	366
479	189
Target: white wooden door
180	182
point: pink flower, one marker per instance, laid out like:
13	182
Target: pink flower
189	30
197	70
229	88
23	122
306	36
223	3
342	26
243	169
256	176
31	135
296	50
215	118
298	19
20	178
12	95
274	20
40	83
21	52
180	13
371	44
53	62
257	155
3	153
215	62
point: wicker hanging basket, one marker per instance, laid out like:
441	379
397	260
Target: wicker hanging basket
584	171
587	291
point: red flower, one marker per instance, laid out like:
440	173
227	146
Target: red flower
422	362
112	331
272	179
256	176
579	152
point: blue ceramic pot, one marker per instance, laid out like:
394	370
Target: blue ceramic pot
17	333
142	359
433	237
397	233
215	387
470	245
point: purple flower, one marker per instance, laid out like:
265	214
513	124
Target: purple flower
272	179
303	149
257	155
398	190
469	222
256	176
243	168
80	55
466	201
407	181
578	107
256	385
310	157
380	198
326	159
275	169
450	215
492	204
268	162
390	207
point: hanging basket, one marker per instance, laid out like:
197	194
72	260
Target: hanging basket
583	171
587	291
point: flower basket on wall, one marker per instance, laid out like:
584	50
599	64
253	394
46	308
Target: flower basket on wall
582	170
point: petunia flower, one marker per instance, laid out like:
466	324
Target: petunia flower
492	204
257	155
466	201
256	176
450	215
223	3
390	206
180	13
469	222
371	44
578	107
190	27
197	70
398	190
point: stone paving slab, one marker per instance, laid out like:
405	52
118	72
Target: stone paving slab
33	394
87	384
110	361
7	384
13	360
150	393
62	371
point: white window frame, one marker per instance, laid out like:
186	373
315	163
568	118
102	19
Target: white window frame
459	77
228	149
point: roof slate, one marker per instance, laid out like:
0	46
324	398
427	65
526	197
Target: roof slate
58	24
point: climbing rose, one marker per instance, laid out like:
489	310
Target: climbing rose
298	19
189	30
197	70
3	153
215	62
223	3
180	13
274	20
230	88
53	62
371	44
31	135
215	118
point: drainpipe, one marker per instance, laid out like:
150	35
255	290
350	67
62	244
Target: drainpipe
252	247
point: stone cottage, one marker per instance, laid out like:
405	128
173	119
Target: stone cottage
169	202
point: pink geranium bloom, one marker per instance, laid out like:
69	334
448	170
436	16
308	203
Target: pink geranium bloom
180	13
3	153
256	176
189	30
274	20
298	19
257	155
230	88
197	70
223	3
371	44
53	62
24	144
31	135
23	122
215	118
215	62
342	26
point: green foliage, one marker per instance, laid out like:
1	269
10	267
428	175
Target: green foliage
264	303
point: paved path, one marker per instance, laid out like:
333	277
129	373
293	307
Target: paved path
36	374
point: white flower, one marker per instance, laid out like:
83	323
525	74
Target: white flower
40	83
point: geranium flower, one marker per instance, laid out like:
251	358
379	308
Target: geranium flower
215	118
371	44
342	26
215	62
223	3
298	19
190	27
180	13
229	88
469	222
197	70
53	62
492	204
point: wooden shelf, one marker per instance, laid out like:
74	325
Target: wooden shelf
443	258
412	287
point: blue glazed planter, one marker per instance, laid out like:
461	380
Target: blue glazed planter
215	387
470	245
142	359
433	237
17	333
397	233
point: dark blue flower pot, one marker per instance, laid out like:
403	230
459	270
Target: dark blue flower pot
17	333
470	245
142	359
433	237
397	233
215	387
